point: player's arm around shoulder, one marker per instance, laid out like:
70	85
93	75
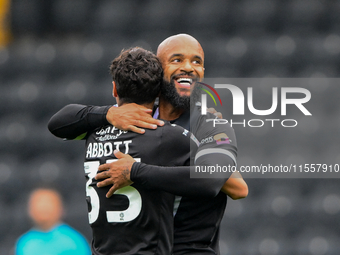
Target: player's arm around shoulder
73	121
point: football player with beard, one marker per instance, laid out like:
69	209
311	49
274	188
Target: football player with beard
199	211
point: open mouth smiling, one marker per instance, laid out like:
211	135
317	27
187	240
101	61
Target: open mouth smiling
184	82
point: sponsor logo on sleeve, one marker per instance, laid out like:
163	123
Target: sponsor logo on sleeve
222	138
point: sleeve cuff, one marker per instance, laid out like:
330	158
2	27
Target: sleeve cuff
134	171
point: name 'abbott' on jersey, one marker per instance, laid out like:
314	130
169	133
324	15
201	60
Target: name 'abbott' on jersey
135	220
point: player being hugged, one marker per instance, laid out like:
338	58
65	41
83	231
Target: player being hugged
135	219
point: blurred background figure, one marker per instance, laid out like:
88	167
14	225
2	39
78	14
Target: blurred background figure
49	235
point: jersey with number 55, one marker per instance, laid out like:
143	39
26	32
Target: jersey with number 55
135	220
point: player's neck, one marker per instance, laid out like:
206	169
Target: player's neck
146	105
168	112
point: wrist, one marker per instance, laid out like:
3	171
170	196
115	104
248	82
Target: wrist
134	170
109	114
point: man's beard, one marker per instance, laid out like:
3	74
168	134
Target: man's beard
170	94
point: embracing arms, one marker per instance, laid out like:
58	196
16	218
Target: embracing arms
174	180
74	120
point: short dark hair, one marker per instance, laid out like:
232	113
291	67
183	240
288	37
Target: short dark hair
138	75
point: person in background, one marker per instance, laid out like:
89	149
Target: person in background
49	235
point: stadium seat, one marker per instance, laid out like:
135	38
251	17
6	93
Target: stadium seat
71	16
303	15
60	54
160	15
253	17
108	18
29	16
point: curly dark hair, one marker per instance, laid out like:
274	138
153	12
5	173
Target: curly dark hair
138	75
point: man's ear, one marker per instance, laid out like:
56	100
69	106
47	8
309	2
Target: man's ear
114	90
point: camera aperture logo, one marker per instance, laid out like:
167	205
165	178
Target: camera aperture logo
238	105
205	96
